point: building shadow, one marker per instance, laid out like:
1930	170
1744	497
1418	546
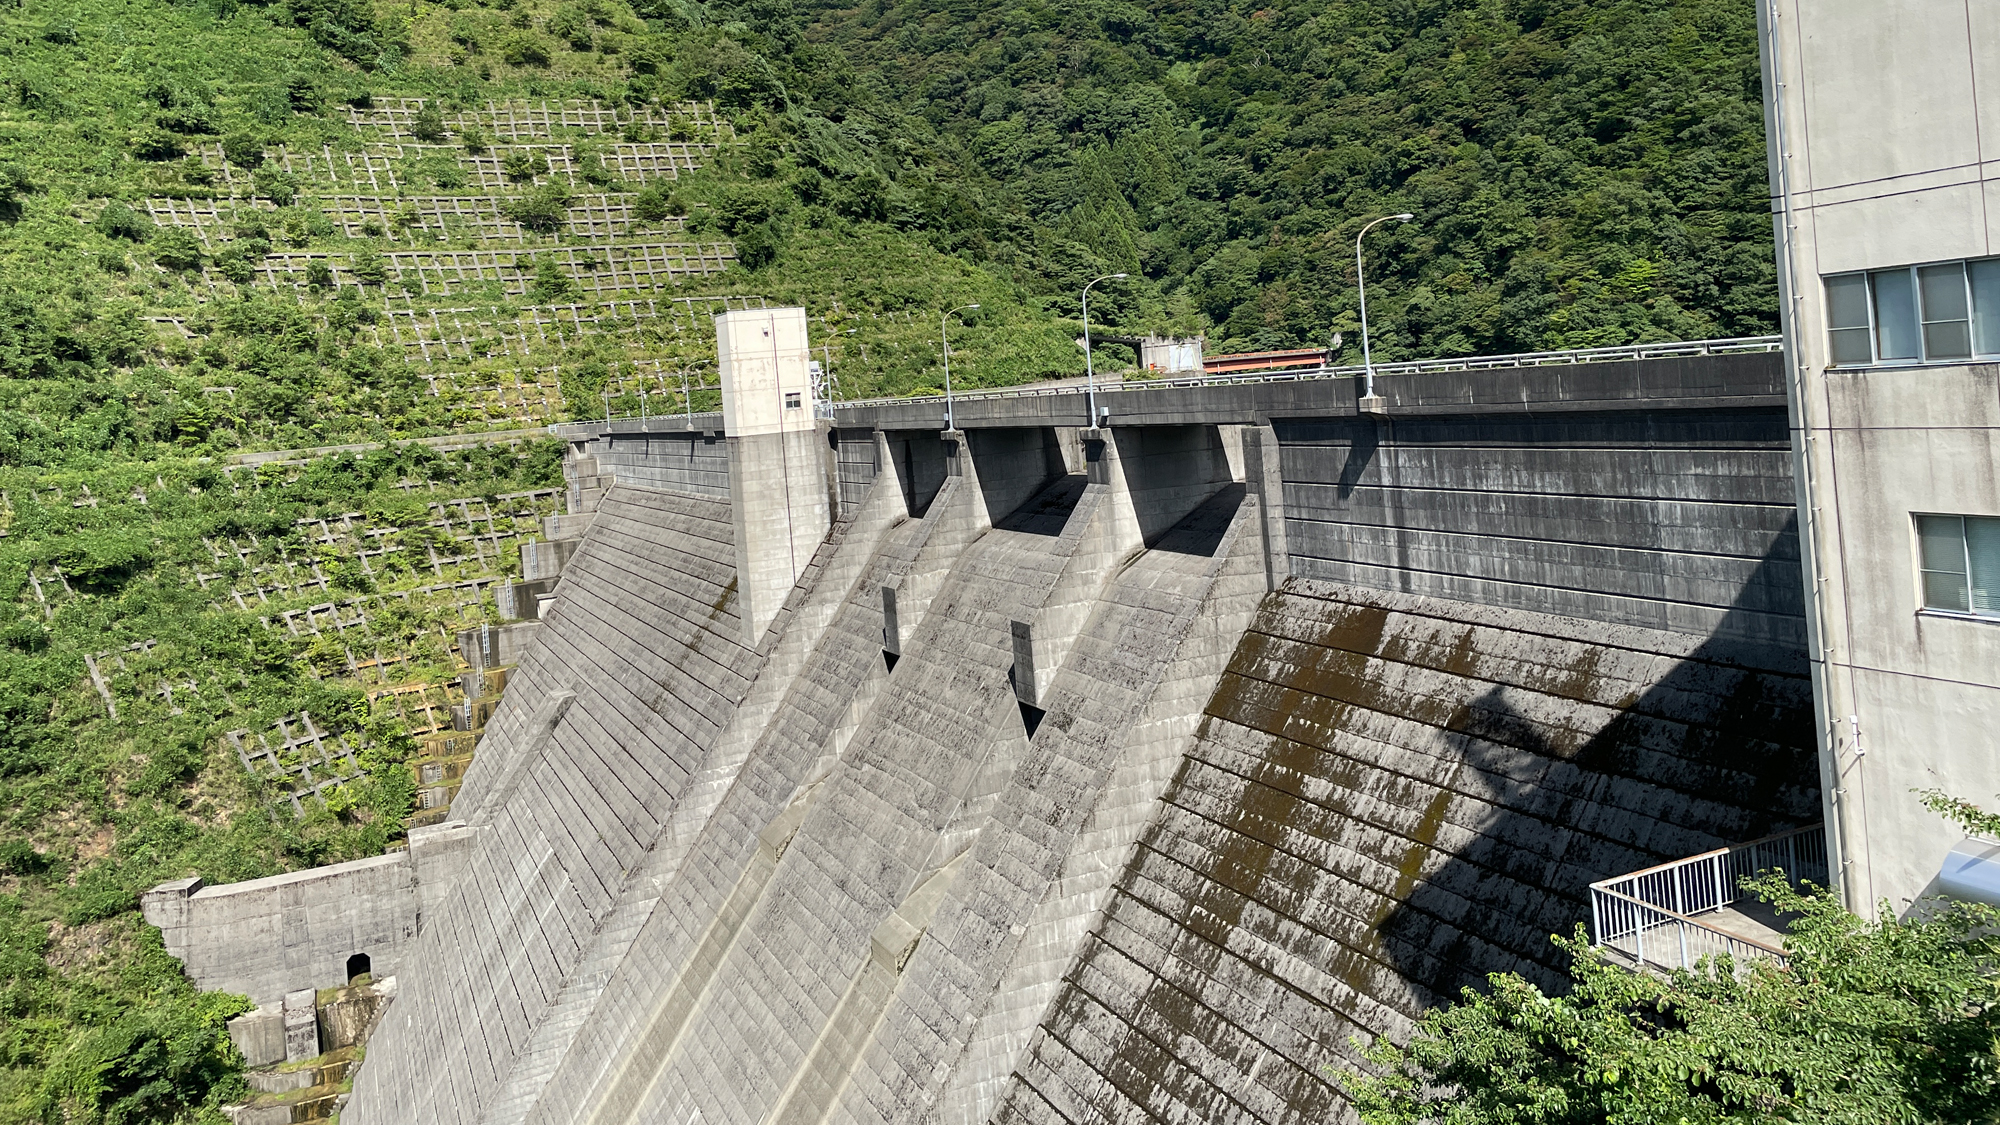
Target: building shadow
1718	750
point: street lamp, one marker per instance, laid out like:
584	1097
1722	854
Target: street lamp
950	423
1367	360
1090	374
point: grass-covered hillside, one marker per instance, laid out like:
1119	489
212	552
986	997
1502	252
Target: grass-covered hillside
228	227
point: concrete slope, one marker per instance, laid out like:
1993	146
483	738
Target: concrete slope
1119	717
637	671
930	754
1390	796
645	1005
830	581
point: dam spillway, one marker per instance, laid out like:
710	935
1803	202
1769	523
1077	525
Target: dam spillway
1118	772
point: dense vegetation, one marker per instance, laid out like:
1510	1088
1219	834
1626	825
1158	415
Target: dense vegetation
190	269
1872	1021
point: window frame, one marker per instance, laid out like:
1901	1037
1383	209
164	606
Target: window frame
1918	326
1924	608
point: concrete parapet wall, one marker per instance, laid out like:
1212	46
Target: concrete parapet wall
267	937
1680	520
691	461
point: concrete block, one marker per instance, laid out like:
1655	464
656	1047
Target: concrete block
260	1035
301	1019
521	601
570	526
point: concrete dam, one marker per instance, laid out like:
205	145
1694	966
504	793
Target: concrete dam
1113	760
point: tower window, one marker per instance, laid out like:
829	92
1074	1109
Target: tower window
1959	559
1936	313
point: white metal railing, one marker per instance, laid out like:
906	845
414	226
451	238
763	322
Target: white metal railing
1653	917
1404	367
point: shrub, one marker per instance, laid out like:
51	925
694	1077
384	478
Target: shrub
319	275
277	185
591	167
119	221
466	34
370	268
104	560
15	181
542	210
235	266
524	48
302	94
177	249
188	117
154	143
653	204
243	149
757	247
524	164
551	283
473	138
19	857
428	125
572	27
193	171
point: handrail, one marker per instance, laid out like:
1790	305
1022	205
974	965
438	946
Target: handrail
1730	346
1670	896
1738	939
1572	357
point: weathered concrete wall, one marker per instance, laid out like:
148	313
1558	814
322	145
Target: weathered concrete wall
267	937
1391	796
1678	520
567	798
690	461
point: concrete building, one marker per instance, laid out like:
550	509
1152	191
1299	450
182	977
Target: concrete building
1880	117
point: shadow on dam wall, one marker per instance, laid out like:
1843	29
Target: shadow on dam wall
1406	779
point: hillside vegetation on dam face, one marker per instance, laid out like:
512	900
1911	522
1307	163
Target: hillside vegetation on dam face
1104	775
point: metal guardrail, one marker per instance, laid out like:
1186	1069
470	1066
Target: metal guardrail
1652	916
1405	367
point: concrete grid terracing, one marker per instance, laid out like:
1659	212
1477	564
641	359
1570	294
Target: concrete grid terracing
1058	838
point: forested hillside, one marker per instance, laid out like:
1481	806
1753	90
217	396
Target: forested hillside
228	227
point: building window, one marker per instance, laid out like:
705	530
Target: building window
1847	319
1936	313
1960	563
791	400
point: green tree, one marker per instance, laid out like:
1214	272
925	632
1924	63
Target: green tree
543	210
552	283
119	221
243	149
1873	1021
524	48
177	249
428	125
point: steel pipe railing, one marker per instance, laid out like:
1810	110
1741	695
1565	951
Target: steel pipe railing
1732	346
1651	916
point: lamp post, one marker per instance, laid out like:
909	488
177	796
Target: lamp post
1090	373
950	422
1367	360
